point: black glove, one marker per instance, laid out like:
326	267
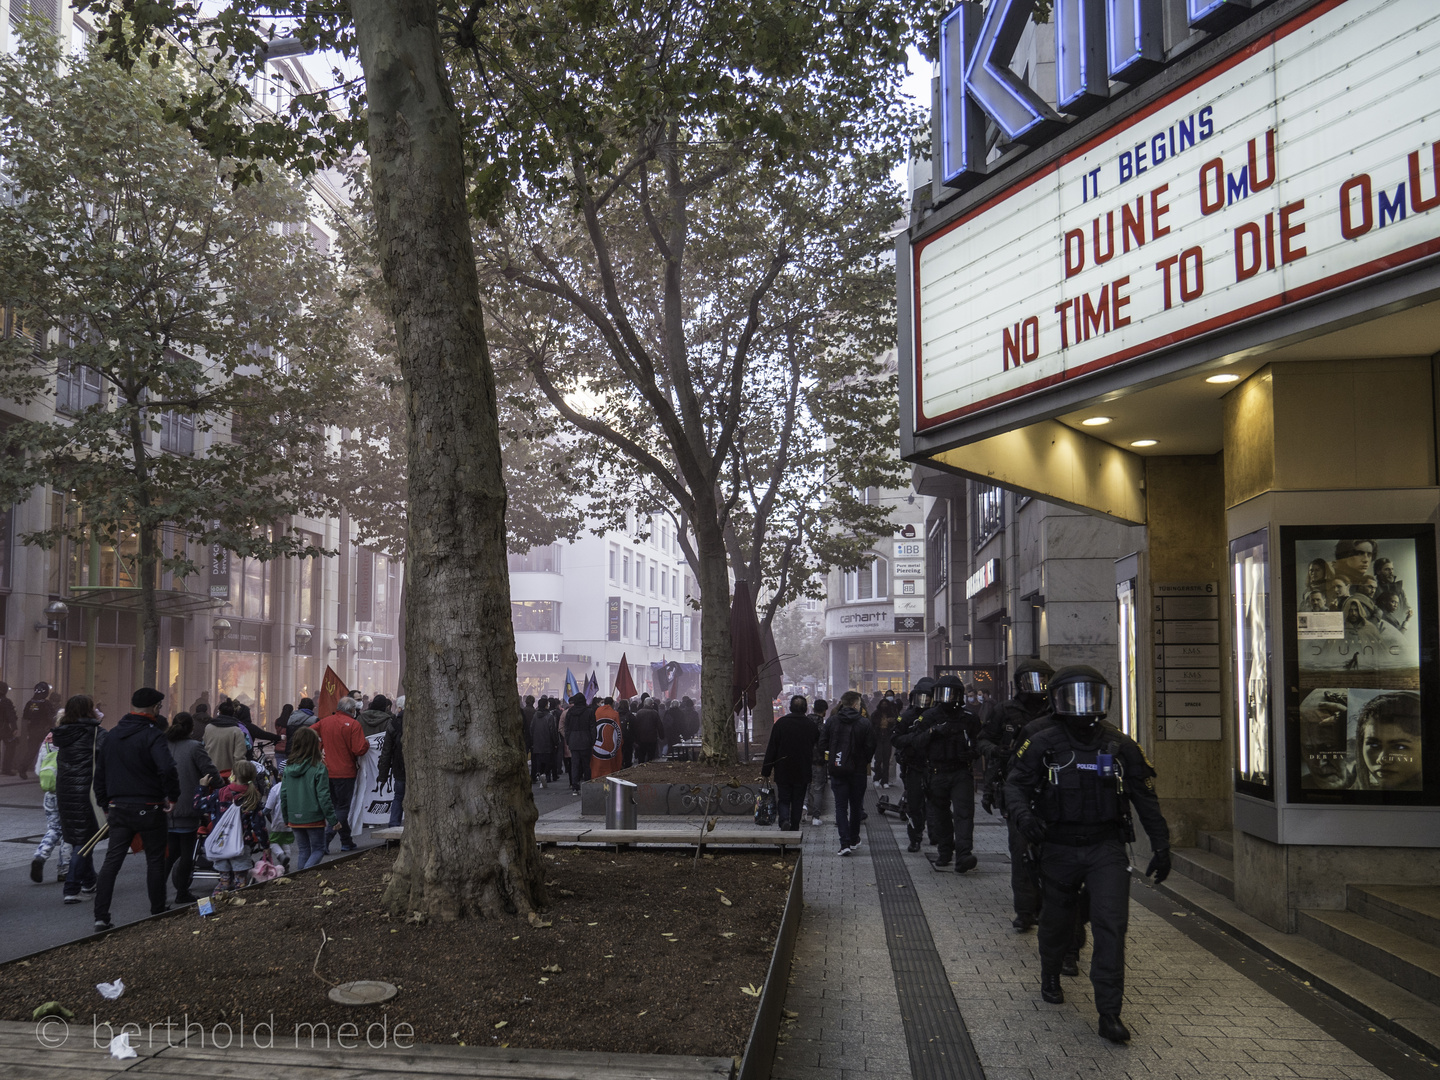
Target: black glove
987	802
1159	867
1031	827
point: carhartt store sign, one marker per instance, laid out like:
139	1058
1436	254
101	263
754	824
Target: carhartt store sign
1305	162
859	622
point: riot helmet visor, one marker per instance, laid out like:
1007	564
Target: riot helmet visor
949	693
1031	682
1080	698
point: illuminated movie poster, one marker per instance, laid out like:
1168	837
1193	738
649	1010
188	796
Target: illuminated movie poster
1363	659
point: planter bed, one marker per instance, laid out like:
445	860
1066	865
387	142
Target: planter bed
623	986
670	788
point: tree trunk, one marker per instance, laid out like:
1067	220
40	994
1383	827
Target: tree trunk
469	842
717	657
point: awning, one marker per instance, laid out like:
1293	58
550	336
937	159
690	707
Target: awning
118	598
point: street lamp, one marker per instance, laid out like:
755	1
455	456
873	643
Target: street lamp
302	638
341	640
364	641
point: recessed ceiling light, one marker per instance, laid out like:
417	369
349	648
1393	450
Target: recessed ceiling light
1224	377
1095	421
1144	442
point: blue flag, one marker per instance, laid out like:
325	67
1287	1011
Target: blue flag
571	686
592	687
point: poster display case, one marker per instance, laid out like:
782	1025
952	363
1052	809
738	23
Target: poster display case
1359	610
1250	605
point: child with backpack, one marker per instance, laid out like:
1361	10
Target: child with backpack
45	766
242	791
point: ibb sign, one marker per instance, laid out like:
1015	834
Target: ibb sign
1096	41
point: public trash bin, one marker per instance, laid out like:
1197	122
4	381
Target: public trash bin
619	803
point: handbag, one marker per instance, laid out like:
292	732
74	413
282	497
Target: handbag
227	836
265	868
765	807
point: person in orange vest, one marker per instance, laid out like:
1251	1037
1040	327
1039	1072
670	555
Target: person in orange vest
607	753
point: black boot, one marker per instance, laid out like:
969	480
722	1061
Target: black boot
944	859
1070	965
1051	991
914	846
1023	921
965	862
1113	1029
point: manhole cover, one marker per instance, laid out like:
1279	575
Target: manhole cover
363	992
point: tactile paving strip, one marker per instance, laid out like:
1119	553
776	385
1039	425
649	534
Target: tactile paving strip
935	1032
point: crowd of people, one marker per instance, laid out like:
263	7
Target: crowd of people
161	786
582	740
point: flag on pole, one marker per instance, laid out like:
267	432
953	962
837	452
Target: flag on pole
624	683
592	687
571	686
331	691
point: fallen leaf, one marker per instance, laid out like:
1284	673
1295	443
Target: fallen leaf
281	881
539	923
502	1023
726	901
515	938
592	924
328	892
728	933
554	969
778	865
750	991
543	981
608	956
642	1012
394	931
261	903
238	901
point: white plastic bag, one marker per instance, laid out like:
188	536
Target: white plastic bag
111	991
120	1047
227	836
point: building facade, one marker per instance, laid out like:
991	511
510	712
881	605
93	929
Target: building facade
1204	305
581	607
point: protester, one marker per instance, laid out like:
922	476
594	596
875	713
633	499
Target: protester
648	731
819	775
849	744
256	733
282	732
606	752
392	761
45	764
344	744
225	740
137	782
580	738
788	754
377	717
305	803
77	742
243	789
544	743
303	716
197	776
627	735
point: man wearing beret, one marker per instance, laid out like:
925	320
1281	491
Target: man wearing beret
137	782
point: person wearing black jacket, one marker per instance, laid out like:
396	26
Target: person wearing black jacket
819	777
792	742
912	762
647	731
580	737
999	738
392	762
849	744
9	731
137	782
1071	788
948	742
77	742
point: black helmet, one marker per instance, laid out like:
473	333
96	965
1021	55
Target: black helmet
949	691
923	693
1033	677
1079	695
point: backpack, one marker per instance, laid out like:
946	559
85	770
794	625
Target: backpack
765	807
49	760
842	748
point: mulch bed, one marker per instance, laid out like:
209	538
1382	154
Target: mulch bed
690	772
650	959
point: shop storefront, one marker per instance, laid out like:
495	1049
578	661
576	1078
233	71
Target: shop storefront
867	653
1208	305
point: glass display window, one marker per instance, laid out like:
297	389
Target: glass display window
1359	614
1250	607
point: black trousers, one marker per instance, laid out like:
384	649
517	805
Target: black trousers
180	859
126	822
917	802
882	757
1023	889
646	751
952	798
789	800
579	767
9	755
1103	870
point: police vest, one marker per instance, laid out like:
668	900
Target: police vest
1083	786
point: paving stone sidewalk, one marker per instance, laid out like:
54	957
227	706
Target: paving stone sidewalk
1193	1016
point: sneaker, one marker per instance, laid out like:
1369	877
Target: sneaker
814	821
844	851
61	875
349	847
101	925
88	890
73	898
37	871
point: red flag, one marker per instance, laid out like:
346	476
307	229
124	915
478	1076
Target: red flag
624	684
331	691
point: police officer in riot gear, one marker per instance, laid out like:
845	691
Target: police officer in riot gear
999	736
912	761
948	733
1083	776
